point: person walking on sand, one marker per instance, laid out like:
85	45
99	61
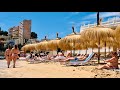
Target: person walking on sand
8	55
15	51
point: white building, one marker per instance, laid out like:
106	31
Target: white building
110	23
21	33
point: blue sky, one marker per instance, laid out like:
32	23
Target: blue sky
48	23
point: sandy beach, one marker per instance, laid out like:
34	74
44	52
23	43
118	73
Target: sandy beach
53	70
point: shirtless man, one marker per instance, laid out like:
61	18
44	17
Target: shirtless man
15	51
111	63
8	55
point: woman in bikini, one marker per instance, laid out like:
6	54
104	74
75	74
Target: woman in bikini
111	63
15	51
8	55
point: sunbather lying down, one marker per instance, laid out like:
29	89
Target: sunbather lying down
79	58
111	63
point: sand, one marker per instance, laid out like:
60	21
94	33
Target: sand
53	70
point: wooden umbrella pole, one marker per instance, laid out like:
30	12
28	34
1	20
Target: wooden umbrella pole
99	50
73	48
98	23
86	49
57	50
57	35
79	51
105	49
109	49
52	52
92	50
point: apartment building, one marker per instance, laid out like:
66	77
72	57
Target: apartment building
22	33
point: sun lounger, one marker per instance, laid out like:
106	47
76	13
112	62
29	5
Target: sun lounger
22	58
74	62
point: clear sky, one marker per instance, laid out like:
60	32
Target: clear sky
48	23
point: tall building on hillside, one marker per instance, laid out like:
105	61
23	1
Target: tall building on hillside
21	39
14	34
22	33
10	32
25	26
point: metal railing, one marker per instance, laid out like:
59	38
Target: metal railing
109	23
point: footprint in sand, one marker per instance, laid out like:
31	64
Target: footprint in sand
73	69
117	72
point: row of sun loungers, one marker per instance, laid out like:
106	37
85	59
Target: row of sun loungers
67	63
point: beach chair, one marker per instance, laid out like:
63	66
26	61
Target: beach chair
86	61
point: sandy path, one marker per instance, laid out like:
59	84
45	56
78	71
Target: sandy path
53	70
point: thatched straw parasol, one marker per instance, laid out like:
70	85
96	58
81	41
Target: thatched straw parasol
97	34
29	47
65	46
78	46
54	44
110	41
117	36
69	41
42	45
33	46
117	32
25	48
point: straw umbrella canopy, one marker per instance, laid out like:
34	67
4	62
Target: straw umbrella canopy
54	44
65	46
97	34
110	41
117	32
92	44
88	44
32	47
117	36
43	44
114	42
78	46
25	48
70	40
29	47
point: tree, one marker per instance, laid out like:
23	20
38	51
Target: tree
20	46
5	33
33	35
2	46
